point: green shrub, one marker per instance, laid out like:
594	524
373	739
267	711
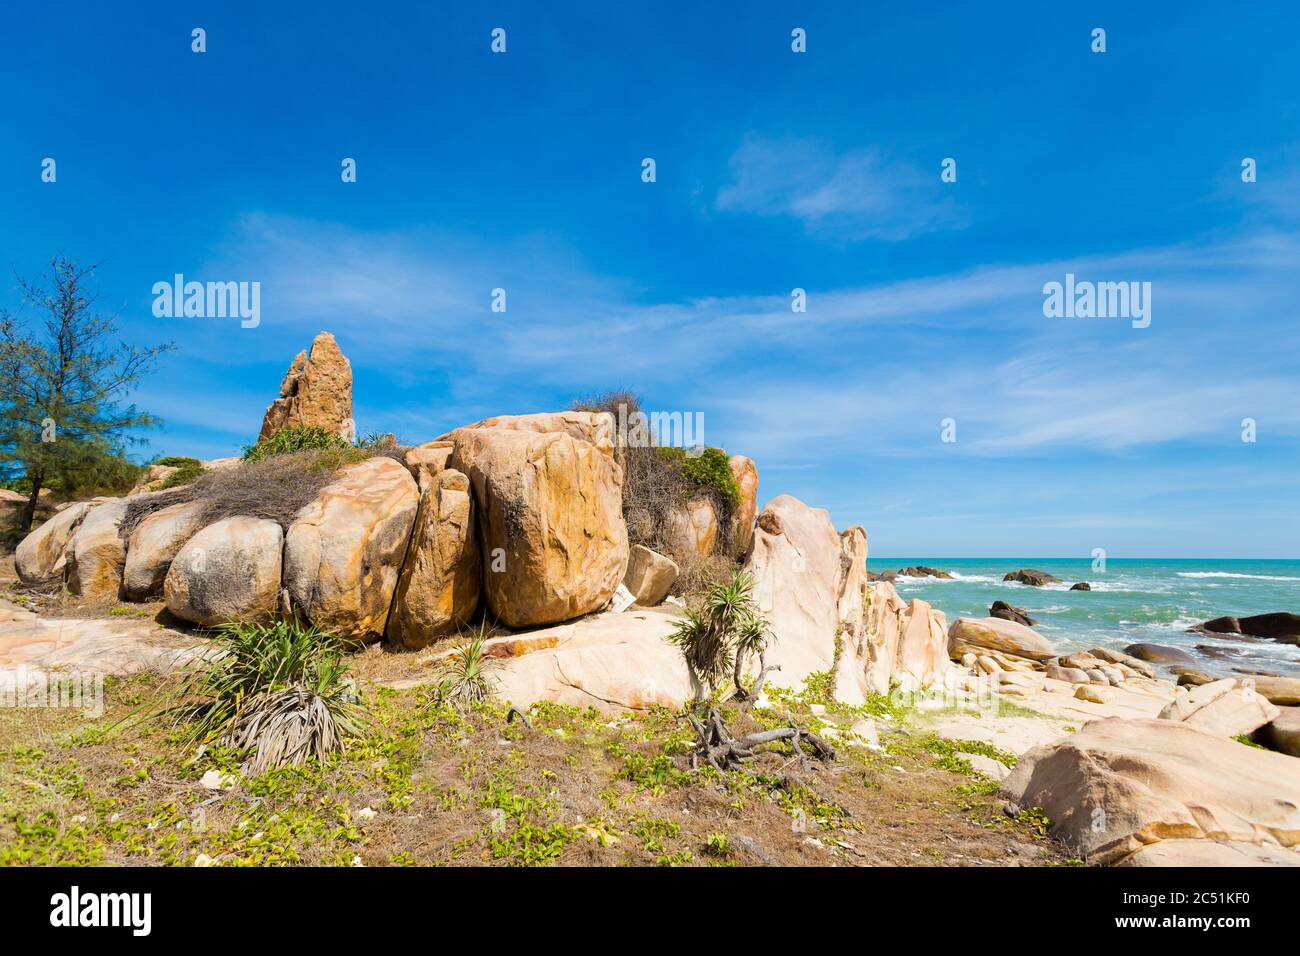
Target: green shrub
176	461
710	471
187	470
296	438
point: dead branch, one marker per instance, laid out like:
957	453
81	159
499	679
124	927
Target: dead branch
725	752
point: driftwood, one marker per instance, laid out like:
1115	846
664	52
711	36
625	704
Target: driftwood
722	751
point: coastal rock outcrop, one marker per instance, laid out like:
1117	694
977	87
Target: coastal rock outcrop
1031	577
1283	732
442	576
229	571
426	461
343	552
1281	626
1009	612
973	634
551	523
795	563
1120	785
316	392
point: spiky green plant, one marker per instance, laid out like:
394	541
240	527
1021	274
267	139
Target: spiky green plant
463	678
278	693
721	629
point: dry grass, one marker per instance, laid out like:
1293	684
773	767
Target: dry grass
654	486
274	488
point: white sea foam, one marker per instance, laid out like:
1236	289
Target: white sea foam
1235	574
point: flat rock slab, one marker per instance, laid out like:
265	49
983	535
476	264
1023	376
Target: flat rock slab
109	647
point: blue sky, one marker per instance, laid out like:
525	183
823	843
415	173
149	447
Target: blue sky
775	170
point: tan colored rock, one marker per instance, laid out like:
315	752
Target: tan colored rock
1119	785
998	634
595	428
97	552
1283	732
228	571
1071	675
442	577
343	553
691	530
316	392
796	566
1094	694
1224	707
426	461
154	543
613	662
742	519
1282	691
649	576
1081	660
1118	657
1210	853
42	555
550	507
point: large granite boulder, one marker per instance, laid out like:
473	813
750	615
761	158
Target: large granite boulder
154	543
550	513
97	552
595	428
801	585
43	554
316	392
344	551
970	634
438	591
1120	785
229	571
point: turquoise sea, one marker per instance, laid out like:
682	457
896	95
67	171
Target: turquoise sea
1132	601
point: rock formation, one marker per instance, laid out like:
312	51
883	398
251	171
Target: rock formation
316	392
1118	786
442	575
550	517
344	551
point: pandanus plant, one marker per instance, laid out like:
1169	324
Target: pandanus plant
722	631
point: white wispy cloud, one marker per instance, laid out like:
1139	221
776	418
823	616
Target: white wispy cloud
858	194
